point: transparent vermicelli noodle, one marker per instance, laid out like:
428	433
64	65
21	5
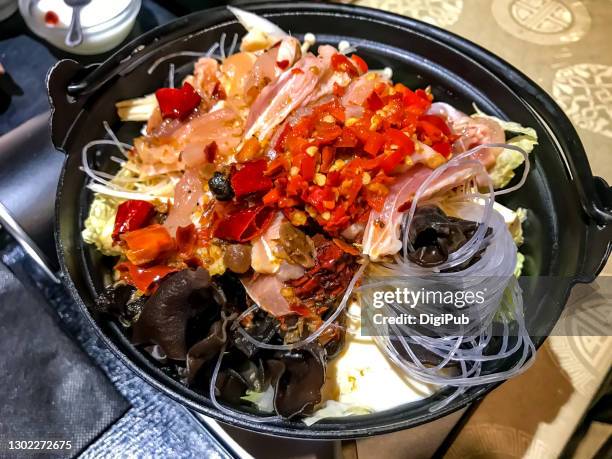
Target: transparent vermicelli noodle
463	354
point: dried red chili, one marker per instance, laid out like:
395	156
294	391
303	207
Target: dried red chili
132	215
148	244
242	225
144	279
250	178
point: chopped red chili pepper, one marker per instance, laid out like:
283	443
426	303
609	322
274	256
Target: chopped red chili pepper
347	139
308	167
418	98
334	178
287	202
374	102
392	161
250	178
296	185
218	92
296	145
375	200
341	63
354	163
374	143
399	139
177	102
327	159
444	148
132	215
333	108
280	142
429	132
327	132
438	122
317	195
271	197
276	166
338	90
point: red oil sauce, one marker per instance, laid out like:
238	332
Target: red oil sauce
51	18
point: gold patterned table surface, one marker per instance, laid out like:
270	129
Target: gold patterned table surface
566	47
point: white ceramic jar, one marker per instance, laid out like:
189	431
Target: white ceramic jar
105	23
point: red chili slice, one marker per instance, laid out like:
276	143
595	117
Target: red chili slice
308	167
399	139
374	143
374	102
341	63
177	103
437	122
392	161
346	247
444	148
327	159
347	139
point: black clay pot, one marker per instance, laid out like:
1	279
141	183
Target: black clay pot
568	232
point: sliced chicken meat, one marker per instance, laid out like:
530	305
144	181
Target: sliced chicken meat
473	131
187	193
265	291
271	271
281	97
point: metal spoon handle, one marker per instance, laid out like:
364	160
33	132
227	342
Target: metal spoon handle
75	33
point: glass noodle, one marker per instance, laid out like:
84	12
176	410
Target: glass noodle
460	356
